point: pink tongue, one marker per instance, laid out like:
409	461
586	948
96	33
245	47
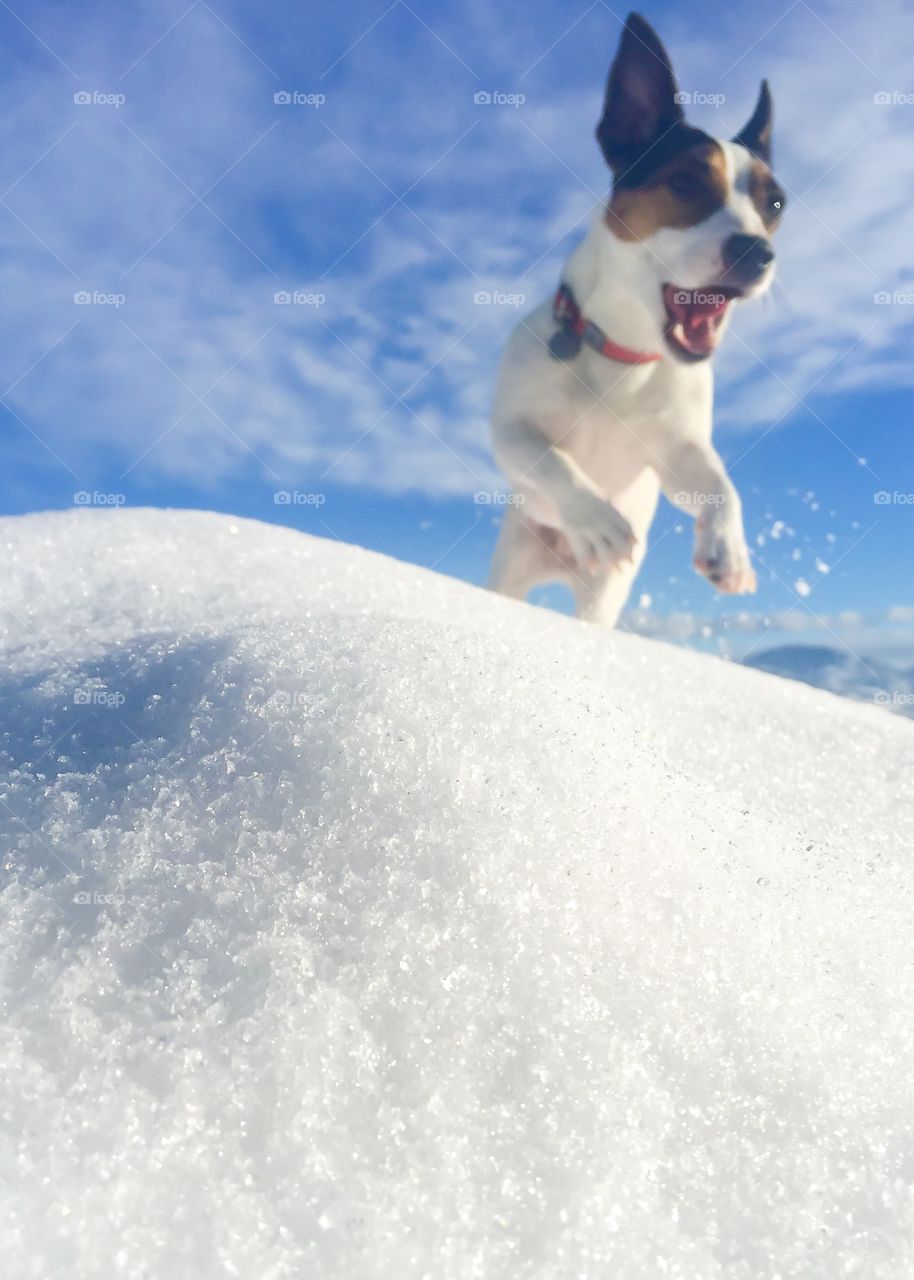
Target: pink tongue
699	327
700	318
699	313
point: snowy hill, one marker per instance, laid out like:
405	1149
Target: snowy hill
358	924
883	679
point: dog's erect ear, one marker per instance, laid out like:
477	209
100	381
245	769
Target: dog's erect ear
756	135
641	98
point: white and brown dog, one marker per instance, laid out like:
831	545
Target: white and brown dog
605	391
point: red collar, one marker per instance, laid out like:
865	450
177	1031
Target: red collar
574	329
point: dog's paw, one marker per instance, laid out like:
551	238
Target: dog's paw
721	556
597	533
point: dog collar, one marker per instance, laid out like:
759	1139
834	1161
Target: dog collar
574	330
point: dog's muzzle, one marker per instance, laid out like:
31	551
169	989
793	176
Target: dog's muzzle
747	258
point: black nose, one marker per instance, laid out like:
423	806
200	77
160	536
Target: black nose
747	256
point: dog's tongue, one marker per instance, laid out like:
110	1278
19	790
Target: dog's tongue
698	313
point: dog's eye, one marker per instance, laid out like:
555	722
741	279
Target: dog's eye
776	203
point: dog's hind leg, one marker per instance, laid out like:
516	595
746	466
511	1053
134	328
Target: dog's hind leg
526	555
600	597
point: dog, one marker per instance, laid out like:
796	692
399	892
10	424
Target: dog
605	392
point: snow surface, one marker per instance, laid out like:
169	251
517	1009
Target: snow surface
360	924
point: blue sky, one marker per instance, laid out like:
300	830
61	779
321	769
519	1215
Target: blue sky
157	197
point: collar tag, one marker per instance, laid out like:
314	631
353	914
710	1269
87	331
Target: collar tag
565	343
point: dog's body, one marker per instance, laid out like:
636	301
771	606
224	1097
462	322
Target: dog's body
589	435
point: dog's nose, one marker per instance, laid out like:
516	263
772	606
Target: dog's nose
747	256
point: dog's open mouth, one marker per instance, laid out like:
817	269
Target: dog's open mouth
694	317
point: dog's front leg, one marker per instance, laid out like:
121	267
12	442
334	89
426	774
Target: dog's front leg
694	479
597	533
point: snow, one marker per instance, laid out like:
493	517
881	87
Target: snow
360	924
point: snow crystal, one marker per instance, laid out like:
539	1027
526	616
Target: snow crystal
359	924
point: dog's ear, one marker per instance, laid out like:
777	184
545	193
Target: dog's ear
641	98
756	135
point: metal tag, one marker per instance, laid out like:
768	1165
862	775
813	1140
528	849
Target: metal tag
564	344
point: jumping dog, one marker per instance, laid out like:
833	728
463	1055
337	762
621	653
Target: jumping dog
605	391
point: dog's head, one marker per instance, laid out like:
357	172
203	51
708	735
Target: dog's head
699	212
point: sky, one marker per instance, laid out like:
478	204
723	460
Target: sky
262	260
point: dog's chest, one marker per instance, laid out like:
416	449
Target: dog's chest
618	419
600	394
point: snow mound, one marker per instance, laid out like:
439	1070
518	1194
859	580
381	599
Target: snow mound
358	924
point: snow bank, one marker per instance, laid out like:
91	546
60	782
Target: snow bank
360	925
